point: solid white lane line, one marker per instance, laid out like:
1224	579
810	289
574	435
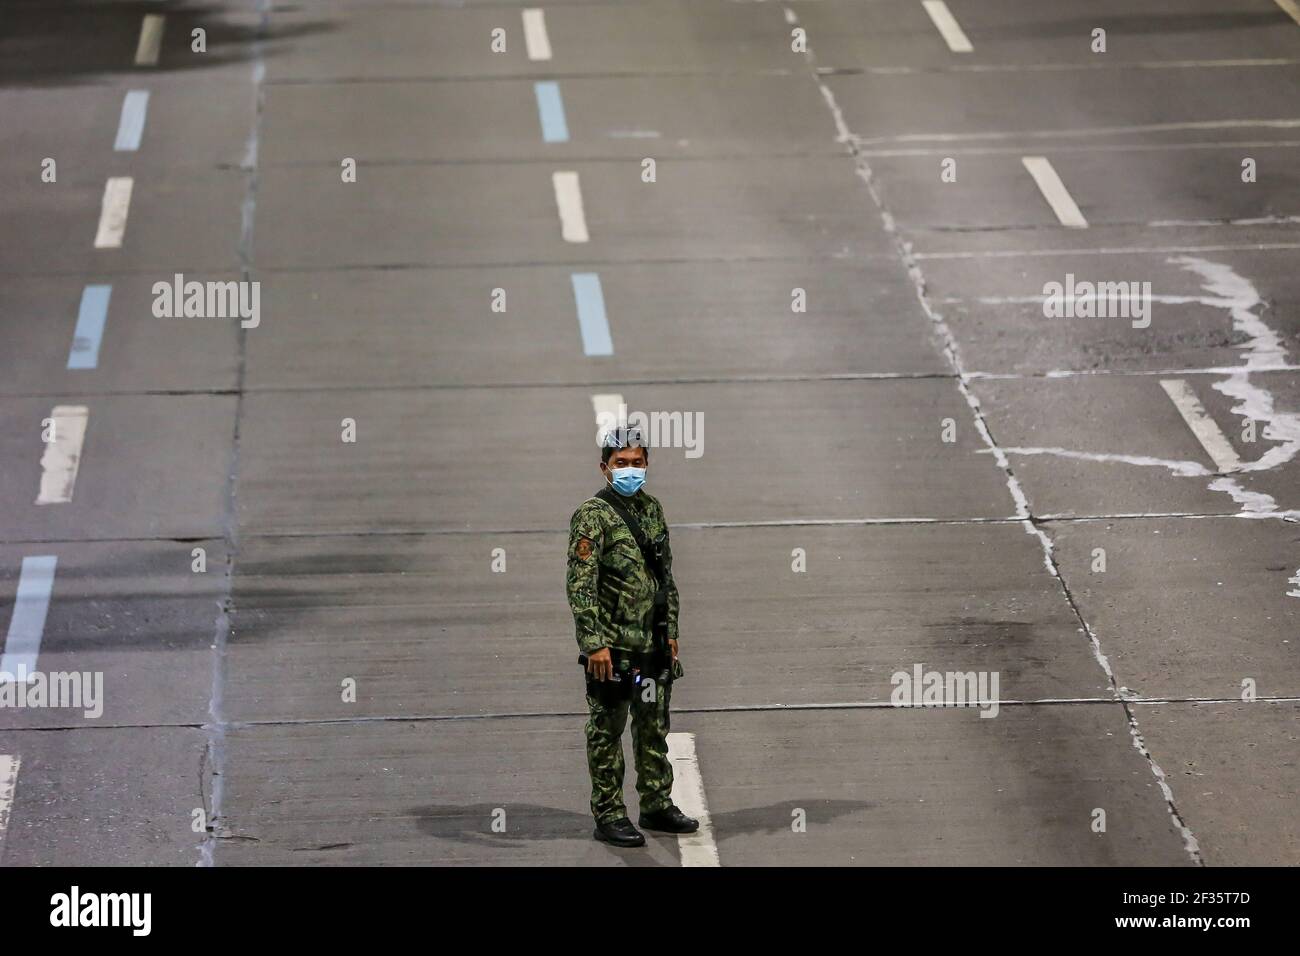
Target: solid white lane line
62	455
151	31
8	784
27	624
698	848
1292	9
535	38
568	198
1202	425
948	26
113	212
1054	191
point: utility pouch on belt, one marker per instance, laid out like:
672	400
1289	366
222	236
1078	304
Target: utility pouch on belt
629	672
621	685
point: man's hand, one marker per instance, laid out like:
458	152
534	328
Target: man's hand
672	643
600	665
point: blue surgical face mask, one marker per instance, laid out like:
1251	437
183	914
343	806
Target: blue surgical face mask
627	481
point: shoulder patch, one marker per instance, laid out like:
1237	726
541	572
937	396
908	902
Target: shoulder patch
583	549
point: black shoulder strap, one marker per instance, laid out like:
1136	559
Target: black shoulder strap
611	498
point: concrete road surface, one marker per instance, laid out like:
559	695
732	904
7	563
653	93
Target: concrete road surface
973	333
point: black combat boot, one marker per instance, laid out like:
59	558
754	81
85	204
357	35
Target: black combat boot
619	832
669	820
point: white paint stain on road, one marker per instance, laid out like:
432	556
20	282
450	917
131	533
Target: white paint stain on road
1262	352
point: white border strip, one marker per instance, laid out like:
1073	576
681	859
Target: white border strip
698	848
8	784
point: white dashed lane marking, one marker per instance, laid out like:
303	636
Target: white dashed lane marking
62	456
150	45
1054	191
1202	425
608	408
27	623
568	199
113	212
89	333
535	38
948	26
592	321
130	127
550	109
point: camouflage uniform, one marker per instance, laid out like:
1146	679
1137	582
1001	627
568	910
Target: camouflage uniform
612	596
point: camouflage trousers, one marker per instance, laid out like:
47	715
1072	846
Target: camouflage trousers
654	772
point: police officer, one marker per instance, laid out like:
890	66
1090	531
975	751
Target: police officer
624	603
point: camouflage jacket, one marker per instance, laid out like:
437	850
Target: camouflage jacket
611	593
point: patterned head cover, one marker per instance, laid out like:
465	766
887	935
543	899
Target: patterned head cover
622	436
